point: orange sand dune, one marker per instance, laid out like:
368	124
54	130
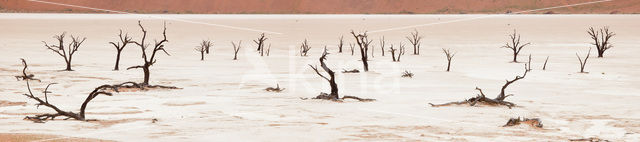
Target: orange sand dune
322	6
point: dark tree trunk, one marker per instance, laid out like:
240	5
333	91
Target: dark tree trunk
146	71
68	66
117	67
448	65
201	56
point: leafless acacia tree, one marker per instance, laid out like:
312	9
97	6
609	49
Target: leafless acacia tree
601	39
334	96
260	43
24	75
204	48
449	55
340	44
363	42
482	99
236	48
415	40
515	45
393	52
583	63
304	48
382	45
352	50
150	60
66	53
120	46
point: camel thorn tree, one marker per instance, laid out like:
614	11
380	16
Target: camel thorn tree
304	48
333	96
449	55
583	63
340	44
415	40
236	48
363	42
393	52
120	45
515	45
204	48
66	53
601	39
150	60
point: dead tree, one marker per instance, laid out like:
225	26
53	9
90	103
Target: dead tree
544	67
260	43
334	96
67	53
277	89
515	45
41	118
415	40
24	75
363	42
352	45
393	52
304	48
533	122
449	55
236	48
340	44
601	39
203	48
150	60
382	45
583	63
120	46
406	73
482	99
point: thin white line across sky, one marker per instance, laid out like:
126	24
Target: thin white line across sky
486	16
159	17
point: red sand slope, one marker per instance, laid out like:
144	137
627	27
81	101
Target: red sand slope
322	6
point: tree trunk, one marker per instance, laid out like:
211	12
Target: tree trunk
201	56
117	61
448	65
334	88
146	74
515	57
68	66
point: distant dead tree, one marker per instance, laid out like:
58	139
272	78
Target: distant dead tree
352	45
449	55
393	52
415	40
67	53
24	75
515	45
340	44
382	45
119	47
583	63
482	99
150	60
544	67
204	48
363	42
236	48
601	39
269	49
304	48
260	43
276	89
334	96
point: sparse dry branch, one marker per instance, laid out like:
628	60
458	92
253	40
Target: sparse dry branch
583	63
482	99
24	75
544	67
533	122
449	55
150	60
352	49
66	53
415	40
277	89
269	49
382	45
120	46
363	42
236	48
601	39
515	45
407	74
